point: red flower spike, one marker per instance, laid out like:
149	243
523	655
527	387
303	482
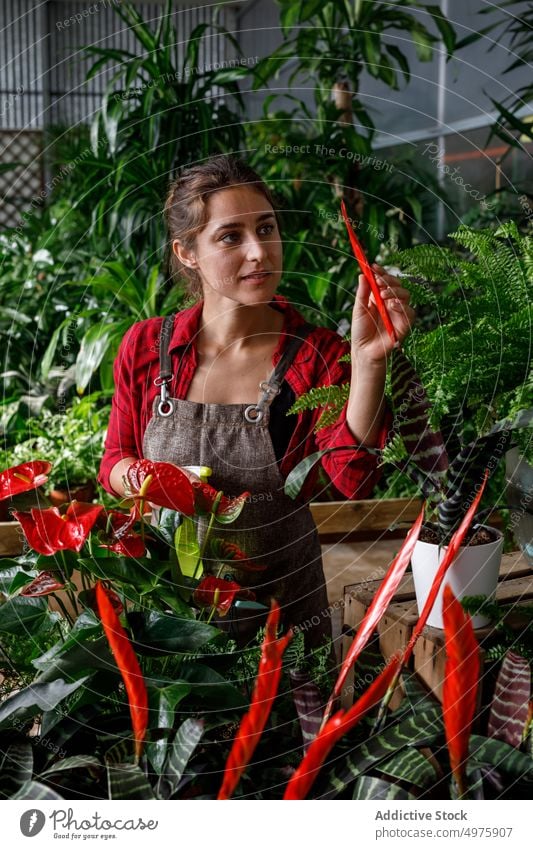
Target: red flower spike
216	592
44	584
461	679
253	723
381	601
340	723
451	553
168	487
127	662
366	269
24	477
47	531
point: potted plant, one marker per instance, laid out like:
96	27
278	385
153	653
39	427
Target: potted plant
73	443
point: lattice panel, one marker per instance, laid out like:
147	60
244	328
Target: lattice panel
20	189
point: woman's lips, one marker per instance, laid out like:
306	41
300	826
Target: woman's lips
257	276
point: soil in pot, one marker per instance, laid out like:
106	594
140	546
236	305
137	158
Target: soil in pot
475	570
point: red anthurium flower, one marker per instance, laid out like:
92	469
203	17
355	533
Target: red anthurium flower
43	584
163	484
216	592
122	539
227	509
23	478
48	531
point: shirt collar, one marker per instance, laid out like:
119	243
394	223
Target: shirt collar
187	322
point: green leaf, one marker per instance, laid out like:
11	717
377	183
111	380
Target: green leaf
185	742
74	762
187	549
368	787
35	791
33	699
127	781
163	700
22	616
16	765
142	573
297	476
159	633
410	765
212	688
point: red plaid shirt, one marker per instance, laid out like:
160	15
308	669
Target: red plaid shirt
316	363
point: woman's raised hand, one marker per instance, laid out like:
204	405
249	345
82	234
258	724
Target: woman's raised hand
370	339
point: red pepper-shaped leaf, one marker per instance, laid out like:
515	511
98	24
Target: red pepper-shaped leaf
451	553
366	269
120	537
127	662
163	484
89	598
254	721
461	679
24	477
228	551
216	592
47	531
44	584
340	723
509	709
227	509
380	602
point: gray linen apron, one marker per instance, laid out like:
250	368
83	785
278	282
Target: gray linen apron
273	530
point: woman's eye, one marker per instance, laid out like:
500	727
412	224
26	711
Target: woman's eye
265	230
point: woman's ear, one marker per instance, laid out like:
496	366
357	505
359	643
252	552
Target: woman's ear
185	255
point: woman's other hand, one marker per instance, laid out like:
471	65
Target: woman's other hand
370	339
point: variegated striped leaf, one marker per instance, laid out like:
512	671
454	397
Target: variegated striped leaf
127	781
510	704
420	730
308	703
185	742
410	765
34	790
16	766
368	787
411	418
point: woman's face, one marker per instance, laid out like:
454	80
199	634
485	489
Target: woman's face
241	239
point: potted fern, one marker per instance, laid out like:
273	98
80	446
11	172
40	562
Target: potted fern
475	365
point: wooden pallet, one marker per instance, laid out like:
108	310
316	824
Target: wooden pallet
395	628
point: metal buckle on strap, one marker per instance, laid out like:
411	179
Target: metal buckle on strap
166	405
254	413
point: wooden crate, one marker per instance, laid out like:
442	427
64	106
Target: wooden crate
395	628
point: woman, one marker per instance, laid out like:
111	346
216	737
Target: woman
212	386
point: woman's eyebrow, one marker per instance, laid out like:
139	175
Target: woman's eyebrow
238	225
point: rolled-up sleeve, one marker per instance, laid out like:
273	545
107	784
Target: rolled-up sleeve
121	432
353	472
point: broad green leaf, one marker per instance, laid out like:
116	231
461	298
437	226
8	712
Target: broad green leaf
33	699
159	633
163	700
187	549
16	765
142	573
22	616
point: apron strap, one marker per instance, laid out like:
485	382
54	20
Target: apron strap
254	413
272	387
165	407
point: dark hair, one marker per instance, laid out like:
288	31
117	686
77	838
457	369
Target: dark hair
185	206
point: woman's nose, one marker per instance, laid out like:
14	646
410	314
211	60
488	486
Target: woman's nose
255	248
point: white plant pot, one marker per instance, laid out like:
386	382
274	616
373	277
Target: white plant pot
474	571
